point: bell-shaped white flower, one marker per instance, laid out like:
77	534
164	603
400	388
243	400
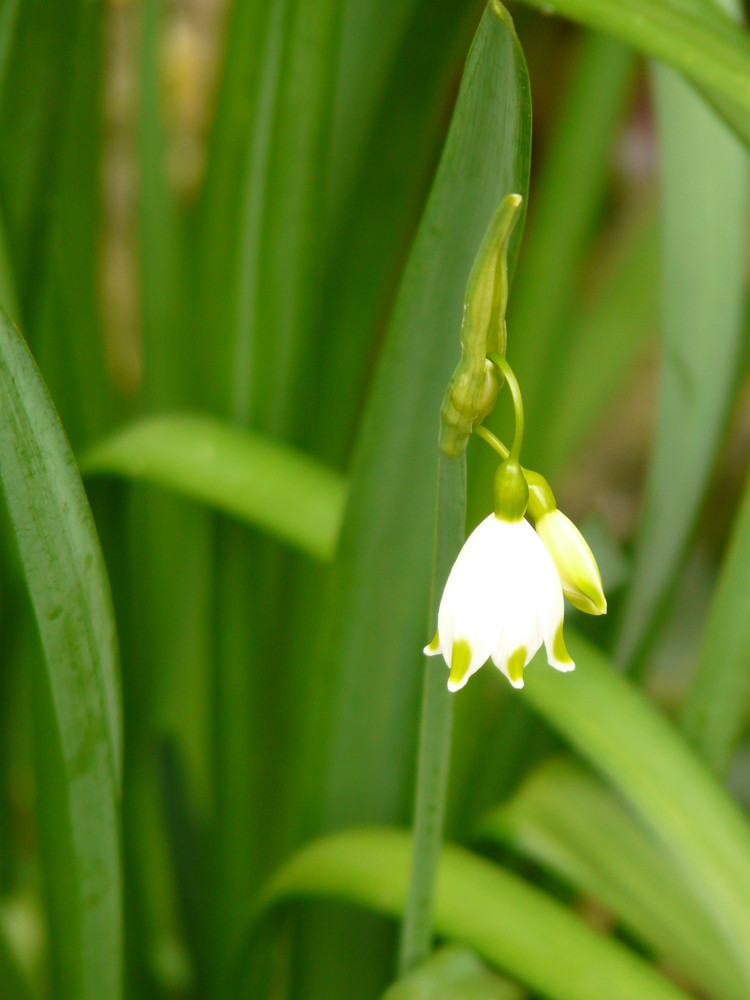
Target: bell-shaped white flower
503	598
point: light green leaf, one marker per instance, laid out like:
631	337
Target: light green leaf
693	36
453	974
704	237
77	705
246	475
566	820
715	710
612	724
512	925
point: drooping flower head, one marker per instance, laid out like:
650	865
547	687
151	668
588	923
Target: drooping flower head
503	597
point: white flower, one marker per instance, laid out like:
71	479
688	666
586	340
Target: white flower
503	599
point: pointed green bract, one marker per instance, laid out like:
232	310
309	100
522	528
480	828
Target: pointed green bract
468	397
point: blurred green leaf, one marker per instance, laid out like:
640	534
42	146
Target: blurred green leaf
453	974
606	339
511	924
370	241
375	622
693	36
612	724
78	700
716	707
567	198
704	237
566	820
34	100
73	362
246	475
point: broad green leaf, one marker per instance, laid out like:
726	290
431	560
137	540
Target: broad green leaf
246	475
510	924
363	687
715	711
376	620
565	819
705	180
612	724
78	702
453	974
693	36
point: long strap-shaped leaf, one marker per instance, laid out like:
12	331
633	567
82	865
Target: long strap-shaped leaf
508	922
704	233
716	707
692	36
79	739
625	737
567	820
249	476
375	626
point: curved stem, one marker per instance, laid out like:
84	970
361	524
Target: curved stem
494	442
515	390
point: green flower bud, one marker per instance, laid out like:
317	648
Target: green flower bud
511	491
575	562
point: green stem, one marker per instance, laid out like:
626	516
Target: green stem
494	442
515	390
435	729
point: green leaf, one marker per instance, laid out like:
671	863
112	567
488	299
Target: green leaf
606	339
704	236
369	665
453	974
370	242
715	710
566	201
246	475
36	86
78	701
693	36
612	724
568	821
511	924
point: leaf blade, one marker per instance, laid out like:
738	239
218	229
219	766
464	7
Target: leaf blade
68	584
244	474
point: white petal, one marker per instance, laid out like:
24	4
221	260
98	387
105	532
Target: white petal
467	609
520	627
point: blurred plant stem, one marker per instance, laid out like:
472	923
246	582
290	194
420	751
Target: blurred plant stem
435	729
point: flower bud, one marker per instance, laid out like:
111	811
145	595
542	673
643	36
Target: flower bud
575	562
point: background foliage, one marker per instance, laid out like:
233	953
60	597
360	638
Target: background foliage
234	241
